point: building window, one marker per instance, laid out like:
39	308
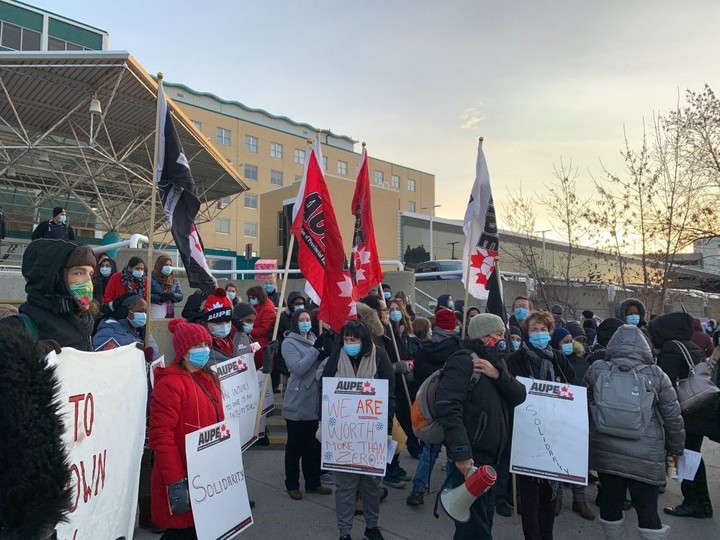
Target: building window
19	38
379	178
411	206
198	125
250	229
276	150
411	184
222	136
299	156
298	177
395	181
251	172
276	178
251	200
342	168
222	225
251	144
223	202
55	44
325	163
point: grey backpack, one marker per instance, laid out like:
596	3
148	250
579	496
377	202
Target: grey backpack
624	401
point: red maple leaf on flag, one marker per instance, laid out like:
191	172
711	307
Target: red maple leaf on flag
484	261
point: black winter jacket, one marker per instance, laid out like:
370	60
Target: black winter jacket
432	356
476	417
519	365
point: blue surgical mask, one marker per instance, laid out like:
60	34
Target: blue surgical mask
221	330
63	219
231	295
352	349
633	319
515	345
199	357
520	314
269	288
253	301
138	274
566	348
166	270
304	327
139	319
105	271
451	304
395	316
247	327
457	329
387	295
539	340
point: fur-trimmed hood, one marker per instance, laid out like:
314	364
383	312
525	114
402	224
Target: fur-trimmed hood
370	319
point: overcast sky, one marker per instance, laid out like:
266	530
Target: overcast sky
420	80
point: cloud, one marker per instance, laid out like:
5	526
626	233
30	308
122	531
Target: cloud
471	117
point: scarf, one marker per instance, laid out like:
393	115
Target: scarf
540	367
131	284
366	370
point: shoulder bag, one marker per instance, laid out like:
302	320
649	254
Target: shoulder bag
698	390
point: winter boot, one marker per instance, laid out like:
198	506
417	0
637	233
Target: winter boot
614	530
654	534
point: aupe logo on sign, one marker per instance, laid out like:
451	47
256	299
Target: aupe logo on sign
230	369
355	387
212	436
547	389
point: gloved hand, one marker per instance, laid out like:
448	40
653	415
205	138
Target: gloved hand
166	297
149	352
401	367
49	345
269	355
179	497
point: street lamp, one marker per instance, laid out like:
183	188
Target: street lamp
543	243
432	215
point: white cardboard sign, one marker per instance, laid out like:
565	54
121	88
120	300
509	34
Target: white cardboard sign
238	382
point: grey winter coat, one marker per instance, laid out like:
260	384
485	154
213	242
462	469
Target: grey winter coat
303	388
641	459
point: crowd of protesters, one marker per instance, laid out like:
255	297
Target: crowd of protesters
76	299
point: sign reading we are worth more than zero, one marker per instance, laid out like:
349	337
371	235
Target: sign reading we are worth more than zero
216	481
239	386
355	425
550	432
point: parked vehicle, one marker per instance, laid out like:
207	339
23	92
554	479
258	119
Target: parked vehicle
454	267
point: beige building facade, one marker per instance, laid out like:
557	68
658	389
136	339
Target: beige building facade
268	151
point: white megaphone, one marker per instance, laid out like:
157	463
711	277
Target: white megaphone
457	501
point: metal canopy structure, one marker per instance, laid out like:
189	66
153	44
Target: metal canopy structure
77	129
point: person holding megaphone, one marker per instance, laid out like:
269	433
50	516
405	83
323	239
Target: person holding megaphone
474	400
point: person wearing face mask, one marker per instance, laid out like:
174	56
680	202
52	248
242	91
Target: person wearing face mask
58	282
300	407
386	292
263	327
231	290
218	320
515	338
445	301
131	279
295	301
126	324
56	228
166	291
536	359
359	358
105	268
243	319
632	311
270	287
474	402
186	398
522	307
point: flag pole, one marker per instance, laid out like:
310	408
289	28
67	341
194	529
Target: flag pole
156	157
402	375
467	273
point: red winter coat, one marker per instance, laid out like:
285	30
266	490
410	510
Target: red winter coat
262	328
178	407
701	339
115	288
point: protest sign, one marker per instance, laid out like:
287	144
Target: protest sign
216	480
550	432
103	397
268	401
239	385
160	362
355	425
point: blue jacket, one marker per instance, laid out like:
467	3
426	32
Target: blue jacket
123	332
157	290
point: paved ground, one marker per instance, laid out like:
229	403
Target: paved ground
277	517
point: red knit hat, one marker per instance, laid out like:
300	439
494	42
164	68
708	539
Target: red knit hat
186	336
445	319
218	307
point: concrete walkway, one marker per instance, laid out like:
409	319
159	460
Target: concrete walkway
277	517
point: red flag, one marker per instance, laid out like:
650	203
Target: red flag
365	263
320	248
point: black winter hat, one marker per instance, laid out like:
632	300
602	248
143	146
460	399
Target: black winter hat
588	314
58	210
607	329
242	310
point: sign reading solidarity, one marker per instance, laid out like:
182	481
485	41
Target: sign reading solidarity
239	386
550	433
103	397
216	479
355	425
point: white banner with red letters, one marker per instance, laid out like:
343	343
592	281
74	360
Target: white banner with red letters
550	433
239	385
104	398
216	479
354	425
